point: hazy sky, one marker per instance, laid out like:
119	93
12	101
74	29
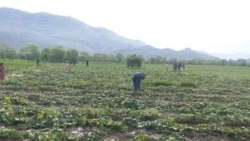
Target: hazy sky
214	26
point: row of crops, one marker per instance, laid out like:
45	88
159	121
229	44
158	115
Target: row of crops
97	103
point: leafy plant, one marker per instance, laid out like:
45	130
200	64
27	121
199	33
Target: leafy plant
188	84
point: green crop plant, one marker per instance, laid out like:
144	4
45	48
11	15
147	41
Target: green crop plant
149	114
98	102
188	84
10	133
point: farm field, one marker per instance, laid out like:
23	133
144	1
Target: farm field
202	103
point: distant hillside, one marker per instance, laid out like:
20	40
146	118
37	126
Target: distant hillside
234	56
18	28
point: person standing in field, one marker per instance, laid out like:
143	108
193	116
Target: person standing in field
166	66
66	66
37	62
175	65
137	77
87	63
2	72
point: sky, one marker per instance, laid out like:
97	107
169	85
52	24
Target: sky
212	26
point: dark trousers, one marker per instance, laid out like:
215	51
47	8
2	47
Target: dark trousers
137	83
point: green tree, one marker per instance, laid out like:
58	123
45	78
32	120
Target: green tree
134	61
45	54
157	60
111	58
84	56
3	47
7	52
101	57
119	57
242	62
11	53
72	55
30	52
57	55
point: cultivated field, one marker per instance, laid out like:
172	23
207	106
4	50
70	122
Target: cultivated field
97	103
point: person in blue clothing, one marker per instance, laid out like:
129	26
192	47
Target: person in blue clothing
137	77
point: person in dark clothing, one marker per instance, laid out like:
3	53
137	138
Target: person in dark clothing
87	63
137	77
175	66
37	62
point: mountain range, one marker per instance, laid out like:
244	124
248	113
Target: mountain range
19	28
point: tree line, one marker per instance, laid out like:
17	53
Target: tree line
199	61
59	54
56	54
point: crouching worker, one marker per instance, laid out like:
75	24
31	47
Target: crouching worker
137	77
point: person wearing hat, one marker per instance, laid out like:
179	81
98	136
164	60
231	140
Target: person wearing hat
137	77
